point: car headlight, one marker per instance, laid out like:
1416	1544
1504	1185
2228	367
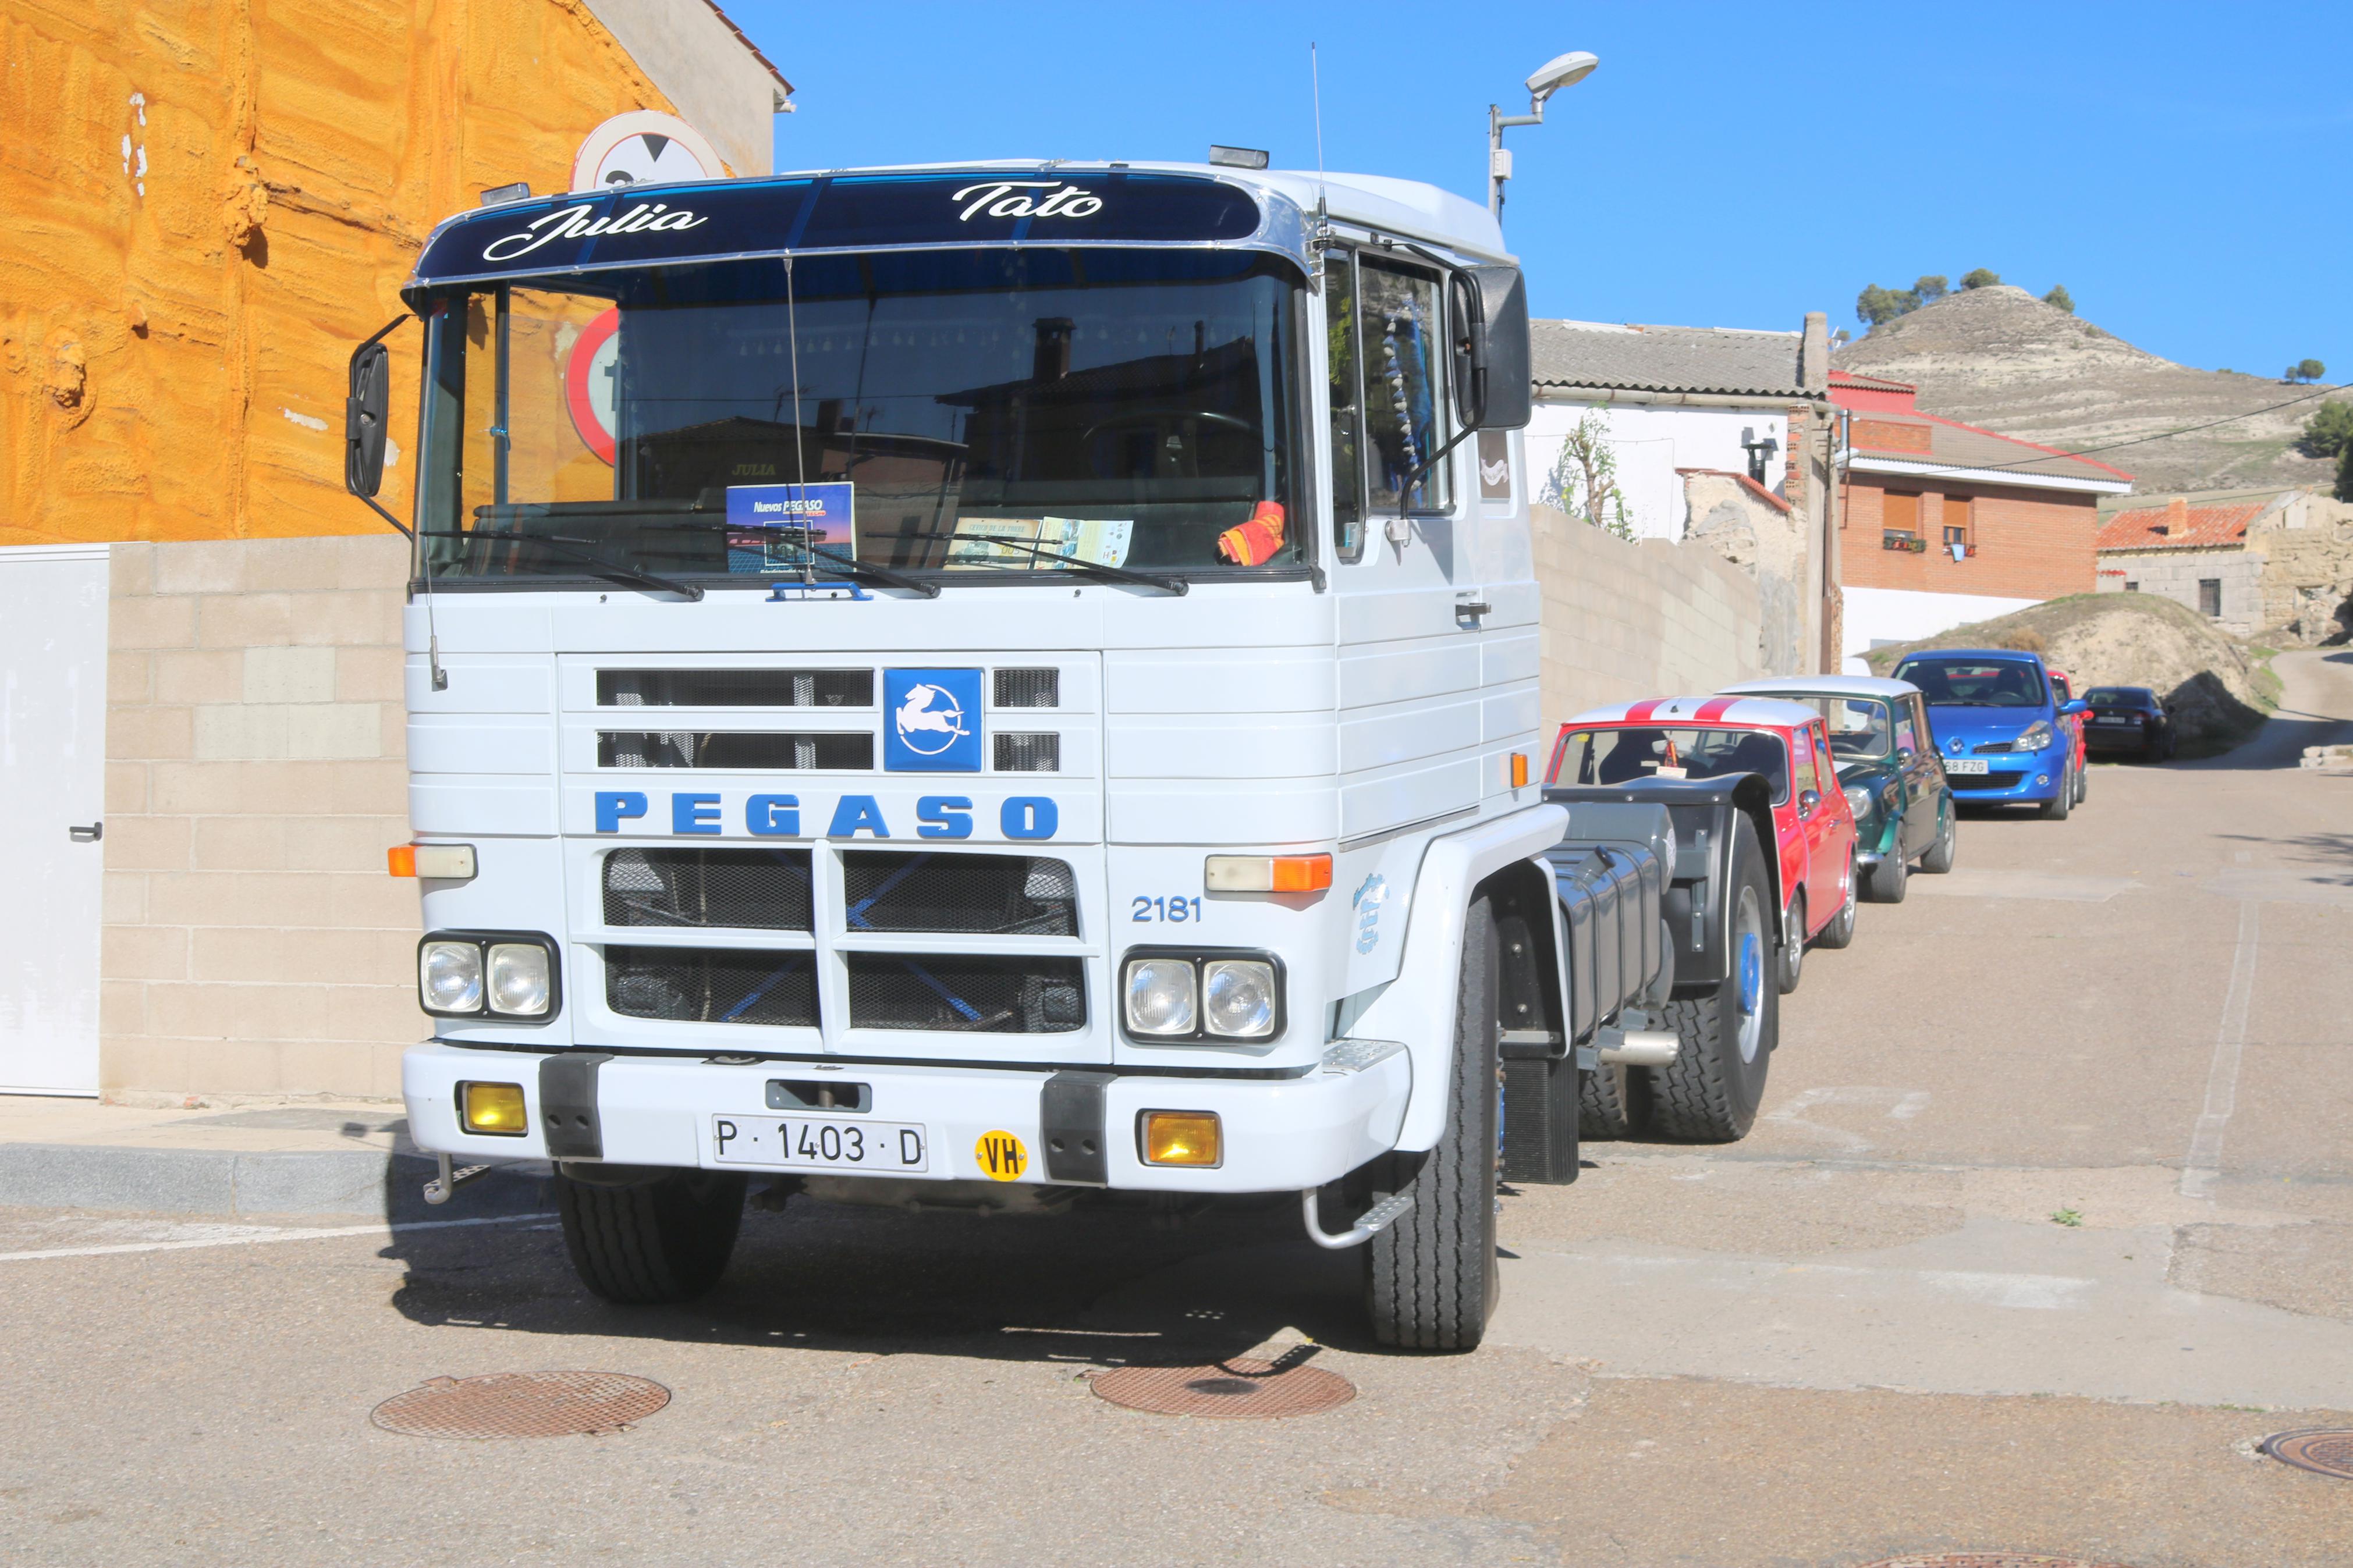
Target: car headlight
1238	995
1859	801
521	979
2034	737
1161	996
449	976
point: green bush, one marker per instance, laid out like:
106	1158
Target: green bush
2326	433
2060	299
1983	277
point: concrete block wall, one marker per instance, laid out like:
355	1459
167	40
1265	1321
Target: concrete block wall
1624	620
2176	574
252	941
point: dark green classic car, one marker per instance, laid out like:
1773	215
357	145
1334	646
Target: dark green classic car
1887	764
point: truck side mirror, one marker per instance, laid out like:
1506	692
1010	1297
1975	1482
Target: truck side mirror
1495	356
369	401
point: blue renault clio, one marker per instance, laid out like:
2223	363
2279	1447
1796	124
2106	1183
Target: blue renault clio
1997	722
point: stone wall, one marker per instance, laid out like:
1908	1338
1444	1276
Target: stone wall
2307	545
2175	575
1623	621
252	941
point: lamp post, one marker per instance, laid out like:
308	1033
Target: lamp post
1565	70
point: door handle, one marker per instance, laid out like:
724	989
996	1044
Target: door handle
91	835
1471	609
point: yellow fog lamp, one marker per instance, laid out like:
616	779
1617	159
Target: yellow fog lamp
1182	1138
496	1109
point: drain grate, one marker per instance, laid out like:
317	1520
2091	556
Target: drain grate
2323	1450
1989	1560
1238	1389
522	1405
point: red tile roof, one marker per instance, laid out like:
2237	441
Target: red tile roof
2178	525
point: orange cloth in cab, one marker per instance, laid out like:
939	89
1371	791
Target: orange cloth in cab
1253	543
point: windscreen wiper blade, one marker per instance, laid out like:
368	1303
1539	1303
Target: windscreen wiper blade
611	571
1176	585
866	571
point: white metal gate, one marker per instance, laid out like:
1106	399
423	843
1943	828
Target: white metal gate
52	785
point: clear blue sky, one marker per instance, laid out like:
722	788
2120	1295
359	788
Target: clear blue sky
2185	169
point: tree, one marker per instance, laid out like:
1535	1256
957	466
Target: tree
1983	277
1931	288
2310	370
2058	298
2345	473
2329	430
1583	478
1879	306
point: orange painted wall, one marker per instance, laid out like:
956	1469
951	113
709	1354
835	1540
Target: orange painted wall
209	202
2031	545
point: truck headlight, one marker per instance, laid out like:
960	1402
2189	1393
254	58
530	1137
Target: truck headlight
2034	737
1160	996
449	976
1238	996
521	979
508	976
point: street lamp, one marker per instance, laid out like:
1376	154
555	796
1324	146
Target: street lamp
1564	70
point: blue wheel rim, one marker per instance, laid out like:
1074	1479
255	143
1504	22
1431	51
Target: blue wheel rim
1752	972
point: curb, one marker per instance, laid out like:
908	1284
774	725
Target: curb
363	1183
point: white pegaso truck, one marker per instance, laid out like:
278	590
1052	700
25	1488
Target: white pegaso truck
981	685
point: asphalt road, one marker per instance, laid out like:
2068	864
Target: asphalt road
2048	1218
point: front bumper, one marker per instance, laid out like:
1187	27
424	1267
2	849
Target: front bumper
2012	776
1279	1134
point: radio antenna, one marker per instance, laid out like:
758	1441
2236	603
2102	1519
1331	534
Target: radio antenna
1315	88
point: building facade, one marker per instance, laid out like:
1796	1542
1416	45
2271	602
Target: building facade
2274	561
1942	524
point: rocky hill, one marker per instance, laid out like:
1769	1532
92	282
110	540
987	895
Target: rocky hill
2001	358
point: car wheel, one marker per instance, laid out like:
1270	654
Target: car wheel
1710	1092
1791	963
1891	876
1939	858
1839	932
2083	783
2056	809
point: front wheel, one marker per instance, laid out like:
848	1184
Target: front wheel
1839	932
1939	858
1432	1281
652	1243
1892	876
1791	966
1710	1092
2055	809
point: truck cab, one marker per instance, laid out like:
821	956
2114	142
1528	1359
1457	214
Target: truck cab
976	684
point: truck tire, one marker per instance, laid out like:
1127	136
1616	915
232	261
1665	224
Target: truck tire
1939	858
658	1242
1609	1101
1789	965
1839	932
1892	876
2056	809
1432	1280
1710	1092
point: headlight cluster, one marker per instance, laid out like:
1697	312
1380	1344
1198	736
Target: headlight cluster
2034	737
1859	801
1177	996
494	975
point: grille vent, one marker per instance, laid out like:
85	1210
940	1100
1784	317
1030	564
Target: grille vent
765	890
741	749
735	687
994	895
1037	753
1024	995
712	986
1028	689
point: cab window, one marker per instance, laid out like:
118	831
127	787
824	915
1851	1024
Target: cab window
1348	444
1401	338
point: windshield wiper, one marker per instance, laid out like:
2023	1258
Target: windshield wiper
1177	586
865	570
611	571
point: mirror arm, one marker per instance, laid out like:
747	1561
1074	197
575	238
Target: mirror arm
380	333
1436	457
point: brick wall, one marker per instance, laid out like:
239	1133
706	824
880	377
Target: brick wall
2031	545
252	943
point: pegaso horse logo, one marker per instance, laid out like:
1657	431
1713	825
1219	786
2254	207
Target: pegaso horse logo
928	720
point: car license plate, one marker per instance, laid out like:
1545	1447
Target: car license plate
820	1144
2112	720
1968	765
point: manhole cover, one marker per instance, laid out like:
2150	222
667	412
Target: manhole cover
1989	1560
2323	1450
1240	1388
522	1405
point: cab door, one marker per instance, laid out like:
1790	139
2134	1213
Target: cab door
1825	855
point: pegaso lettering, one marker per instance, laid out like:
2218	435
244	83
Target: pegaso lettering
574	223
998	199
1020	816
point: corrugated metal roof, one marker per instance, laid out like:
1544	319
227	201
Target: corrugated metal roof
1628	358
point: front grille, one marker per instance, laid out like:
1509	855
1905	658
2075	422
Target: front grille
1999	779
1028	688
735	687
1020	996
997	895
735	749
1992	747
1029	753
767	889
712	986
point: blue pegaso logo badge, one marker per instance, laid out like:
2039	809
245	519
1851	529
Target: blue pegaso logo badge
932	720
1368	905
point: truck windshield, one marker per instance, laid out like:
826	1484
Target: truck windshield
986	415
1634	754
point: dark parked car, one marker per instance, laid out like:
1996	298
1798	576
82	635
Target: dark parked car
2128	718
1886	763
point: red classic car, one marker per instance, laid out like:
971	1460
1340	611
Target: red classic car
2064	685
1785	744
